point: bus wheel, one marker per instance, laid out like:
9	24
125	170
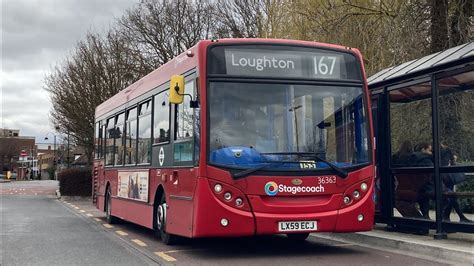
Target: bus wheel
298	236
166	238
108	208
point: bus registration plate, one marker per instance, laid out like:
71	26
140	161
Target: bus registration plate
295	226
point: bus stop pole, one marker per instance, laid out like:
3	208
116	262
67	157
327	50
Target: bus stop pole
440	234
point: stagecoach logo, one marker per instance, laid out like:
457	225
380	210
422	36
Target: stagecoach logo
272	188
161	156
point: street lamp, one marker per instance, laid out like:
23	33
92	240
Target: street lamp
293	109
54	148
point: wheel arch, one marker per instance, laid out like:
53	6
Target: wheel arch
158	194
107	186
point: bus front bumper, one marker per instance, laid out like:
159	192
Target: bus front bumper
213	218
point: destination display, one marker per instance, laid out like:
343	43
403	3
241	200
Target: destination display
296	63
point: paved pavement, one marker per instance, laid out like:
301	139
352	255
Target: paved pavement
457	249
38	229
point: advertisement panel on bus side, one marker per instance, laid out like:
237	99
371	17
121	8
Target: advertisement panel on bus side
133	185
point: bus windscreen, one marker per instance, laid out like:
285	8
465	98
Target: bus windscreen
283	62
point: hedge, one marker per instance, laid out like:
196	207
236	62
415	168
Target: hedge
75	182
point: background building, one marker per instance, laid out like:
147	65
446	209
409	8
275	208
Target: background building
17	153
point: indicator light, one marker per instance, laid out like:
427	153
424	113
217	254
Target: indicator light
347	200
238	201
360	217
356	194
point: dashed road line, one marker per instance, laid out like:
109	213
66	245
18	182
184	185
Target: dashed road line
77	208
122	233
139	242
165	256
108	225
82	210
90	215
97	219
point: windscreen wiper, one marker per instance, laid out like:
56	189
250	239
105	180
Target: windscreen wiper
339	171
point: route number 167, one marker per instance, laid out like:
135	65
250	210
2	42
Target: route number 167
324	65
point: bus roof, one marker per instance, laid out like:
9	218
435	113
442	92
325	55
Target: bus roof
183	63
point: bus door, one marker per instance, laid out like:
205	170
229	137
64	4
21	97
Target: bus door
182	177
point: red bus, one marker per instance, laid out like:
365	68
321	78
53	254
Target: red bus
272	137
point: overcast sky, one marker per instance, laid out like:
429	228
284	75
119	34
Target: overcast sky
35	35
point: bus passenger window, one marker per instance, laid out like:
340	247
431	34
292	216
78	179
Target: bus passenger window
109	143
161	121
119	148
131	137
97	140
183	150
144	133
184	114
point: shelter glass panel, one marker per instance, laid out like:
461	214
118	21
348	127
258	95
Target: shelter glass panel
456	116
456	119
458	197
411	126
411	146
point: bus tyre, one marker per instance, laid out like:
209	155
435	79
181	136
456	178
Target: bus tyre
166	238
108	208
298	237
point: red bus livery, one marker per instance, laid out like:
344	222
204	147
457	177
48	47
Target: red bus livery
240	137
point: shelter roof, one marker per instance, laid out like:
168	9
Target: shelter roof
424	65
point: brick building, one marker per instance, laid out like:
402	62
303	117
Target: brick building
12	146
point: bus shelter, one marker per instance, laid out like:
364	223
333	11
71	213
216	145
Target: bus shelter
423	113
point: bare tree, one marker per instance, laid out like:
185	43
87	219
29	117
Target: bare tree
160	29
461	22
96	70
240	18
439	25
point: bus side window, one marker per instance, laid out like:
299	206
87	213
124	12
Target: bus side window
161	118
109	142
144	133
97	140
183	146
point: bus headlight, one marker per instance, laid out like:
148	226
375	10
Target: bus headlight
218	188
363	186
227	196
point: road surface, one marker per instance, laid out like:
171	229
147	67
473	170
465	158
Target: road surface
37	228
